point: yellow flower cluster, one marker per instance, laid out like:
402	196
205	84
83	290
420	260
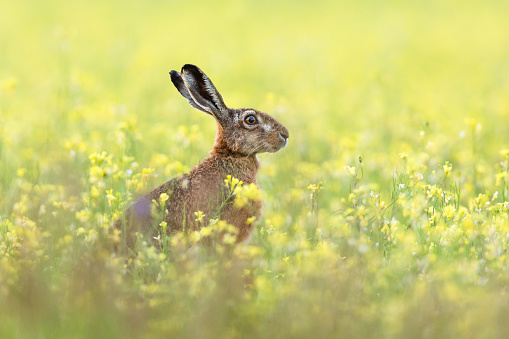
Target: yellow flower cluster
245	194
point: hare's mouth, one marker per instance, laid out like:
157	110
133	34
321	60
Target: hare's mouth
283	141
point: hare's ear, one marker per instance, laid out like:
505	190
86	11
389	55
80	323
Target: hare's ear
203	92
176	78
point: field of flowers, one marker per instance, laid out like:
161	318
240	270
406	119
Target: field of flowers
385	216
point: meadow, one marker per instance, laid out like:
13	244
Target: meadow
385	216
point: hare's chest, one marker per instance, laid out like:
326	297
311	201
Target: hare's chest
242	215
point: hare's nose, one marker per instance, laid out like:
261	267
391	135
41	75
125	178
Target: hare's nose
284	133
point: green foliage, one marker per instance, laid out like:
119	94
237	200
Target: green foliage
385	216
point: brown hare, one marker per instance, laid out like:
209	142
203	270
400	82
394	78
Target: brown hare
241	134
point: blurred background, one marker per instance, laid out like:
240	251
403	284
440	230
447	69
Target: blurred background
366	76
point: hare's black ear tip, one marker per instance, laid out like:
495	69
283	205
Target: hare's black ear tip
175	76
189	67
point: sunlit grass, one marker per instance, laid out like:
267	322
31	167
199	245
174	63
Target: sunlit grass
386	215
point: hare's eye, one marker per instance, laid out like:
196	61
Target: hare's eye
250	120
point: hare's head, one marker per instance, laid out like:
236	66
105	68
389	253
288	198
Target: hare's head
243	131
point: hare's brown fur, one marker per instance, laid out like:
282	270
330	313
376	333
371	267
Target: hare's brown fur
203	188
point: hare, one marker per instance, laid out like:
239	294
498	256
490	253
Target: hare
241	134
